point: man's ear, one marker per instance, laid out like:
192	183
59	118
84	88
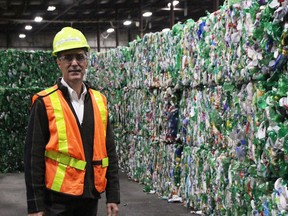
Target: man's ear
58	62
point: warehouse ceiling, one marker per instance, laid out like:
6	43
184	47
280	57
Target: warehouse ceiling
99	15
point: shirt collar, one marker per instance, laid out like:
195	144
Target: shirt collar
72	92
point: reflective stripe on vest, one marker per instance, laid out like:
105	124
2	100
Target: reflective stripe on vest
66	160
43	93
100	160
102	108
66	173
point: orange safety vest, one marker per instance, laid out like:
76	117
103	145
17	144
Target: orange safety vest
64	154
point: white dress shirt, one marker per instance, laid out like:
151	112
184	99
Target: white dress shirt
78	103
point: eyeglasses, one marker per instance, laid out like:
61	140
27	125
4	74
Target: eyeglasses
70	57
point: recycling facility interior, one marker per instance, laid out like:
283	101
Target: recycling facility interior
199	110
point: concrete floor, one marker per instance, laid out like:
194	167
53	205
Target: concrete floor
134	202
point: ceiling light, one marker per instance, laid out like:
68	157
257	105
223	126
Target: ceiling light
101	12
127	22
22	35
147	14
51	8
86	12
38	19
174	4
28	27
165	29
110	30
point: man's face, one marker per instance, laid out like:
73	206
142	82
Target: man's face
73	64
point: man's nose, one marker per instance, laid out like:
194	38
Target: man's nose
74	61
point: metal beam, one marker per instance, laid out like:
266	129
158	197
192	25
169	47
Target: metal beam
76	3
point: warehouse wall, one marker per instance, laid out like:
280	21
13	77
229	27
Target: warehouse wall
44	41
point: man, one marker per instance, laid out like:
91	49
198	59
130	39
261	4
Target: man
70	156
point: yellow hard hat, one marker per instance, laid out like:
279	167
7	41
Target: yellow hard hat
69	38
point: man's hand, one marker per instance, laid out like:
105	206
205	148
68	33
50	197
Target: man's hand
112	209
37	214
